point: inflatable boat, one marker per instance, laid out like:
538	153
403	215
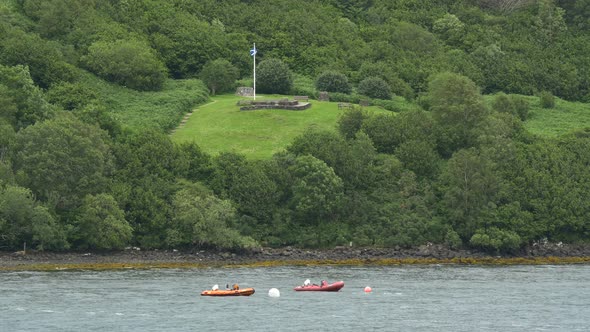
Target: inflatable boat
228	292
334	287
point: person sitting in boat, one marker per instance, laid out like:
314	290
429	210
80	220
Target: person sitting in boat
235	287
306	283
324	283
215	287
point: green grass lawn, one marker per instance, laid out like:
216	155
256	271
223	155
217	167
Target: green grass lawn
563	118
220	126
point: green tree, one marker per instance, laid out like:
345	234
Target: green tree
219	75
22	101
22	219
204	221
101	224
62	160
374	87
145	182
184	41
246	184
470	187
450	28
419	156
273	76
317	190
549	22
131	63
458	108
333	81
386	71
44	58
351	121
57	18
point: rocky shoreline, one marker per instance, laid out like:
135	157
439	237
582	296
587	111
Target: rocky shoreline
550	253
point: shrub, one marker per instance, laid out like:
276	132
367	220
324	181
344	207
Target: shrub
273	76
496	240
502	103
71	96
345	98
351	121
514	105
452	239
130	63
374	87
547	99
332	81
304	86
521	107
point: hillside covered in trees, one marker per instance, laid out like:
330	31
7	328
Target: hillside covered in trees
90	90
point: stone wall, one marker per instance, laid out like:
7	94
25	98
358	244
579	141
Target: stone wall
245	91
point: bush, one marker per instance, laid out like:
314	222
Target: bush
130	63
219	76
495	240
273	76
374	87
389	105
345	98
351	121
71	96
547	99
304	86
452	239
332	81
521	107
514	105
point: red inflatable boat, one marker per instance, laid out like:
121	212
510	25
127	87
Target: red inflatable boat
334	287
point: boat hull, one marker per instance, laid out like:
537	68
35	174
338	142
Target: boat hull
334	287
220	292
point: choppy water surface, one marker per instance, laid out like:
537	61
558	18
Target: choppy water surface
407	298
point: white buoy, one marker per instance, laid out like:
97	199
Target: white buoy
273	292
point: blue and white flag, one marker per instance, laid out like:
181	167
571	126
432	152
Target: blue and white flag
253	52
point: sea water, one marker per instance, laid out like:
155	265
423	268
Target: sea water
403	298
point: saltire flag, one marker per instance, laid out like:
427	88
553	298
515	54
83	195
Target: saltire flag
253	52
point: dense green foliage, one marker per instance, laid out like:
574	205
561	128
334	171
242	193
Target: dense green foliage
332	81
274	76
219	75
374	87
127	62
89	91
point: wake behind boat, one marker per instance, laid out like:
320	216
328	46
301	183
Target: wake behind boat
323	287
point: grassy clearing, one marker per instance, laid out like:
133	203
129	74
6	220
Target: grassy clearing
220	126
565	117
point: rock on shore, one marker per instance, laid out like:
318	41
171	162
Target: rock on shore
138	256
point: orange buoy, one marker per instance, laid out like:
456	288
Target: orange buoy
368	289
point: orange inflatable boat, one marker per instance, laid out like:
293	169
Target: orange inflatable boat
229	292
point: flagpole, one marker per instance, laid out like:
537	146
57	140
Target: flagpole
254	56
